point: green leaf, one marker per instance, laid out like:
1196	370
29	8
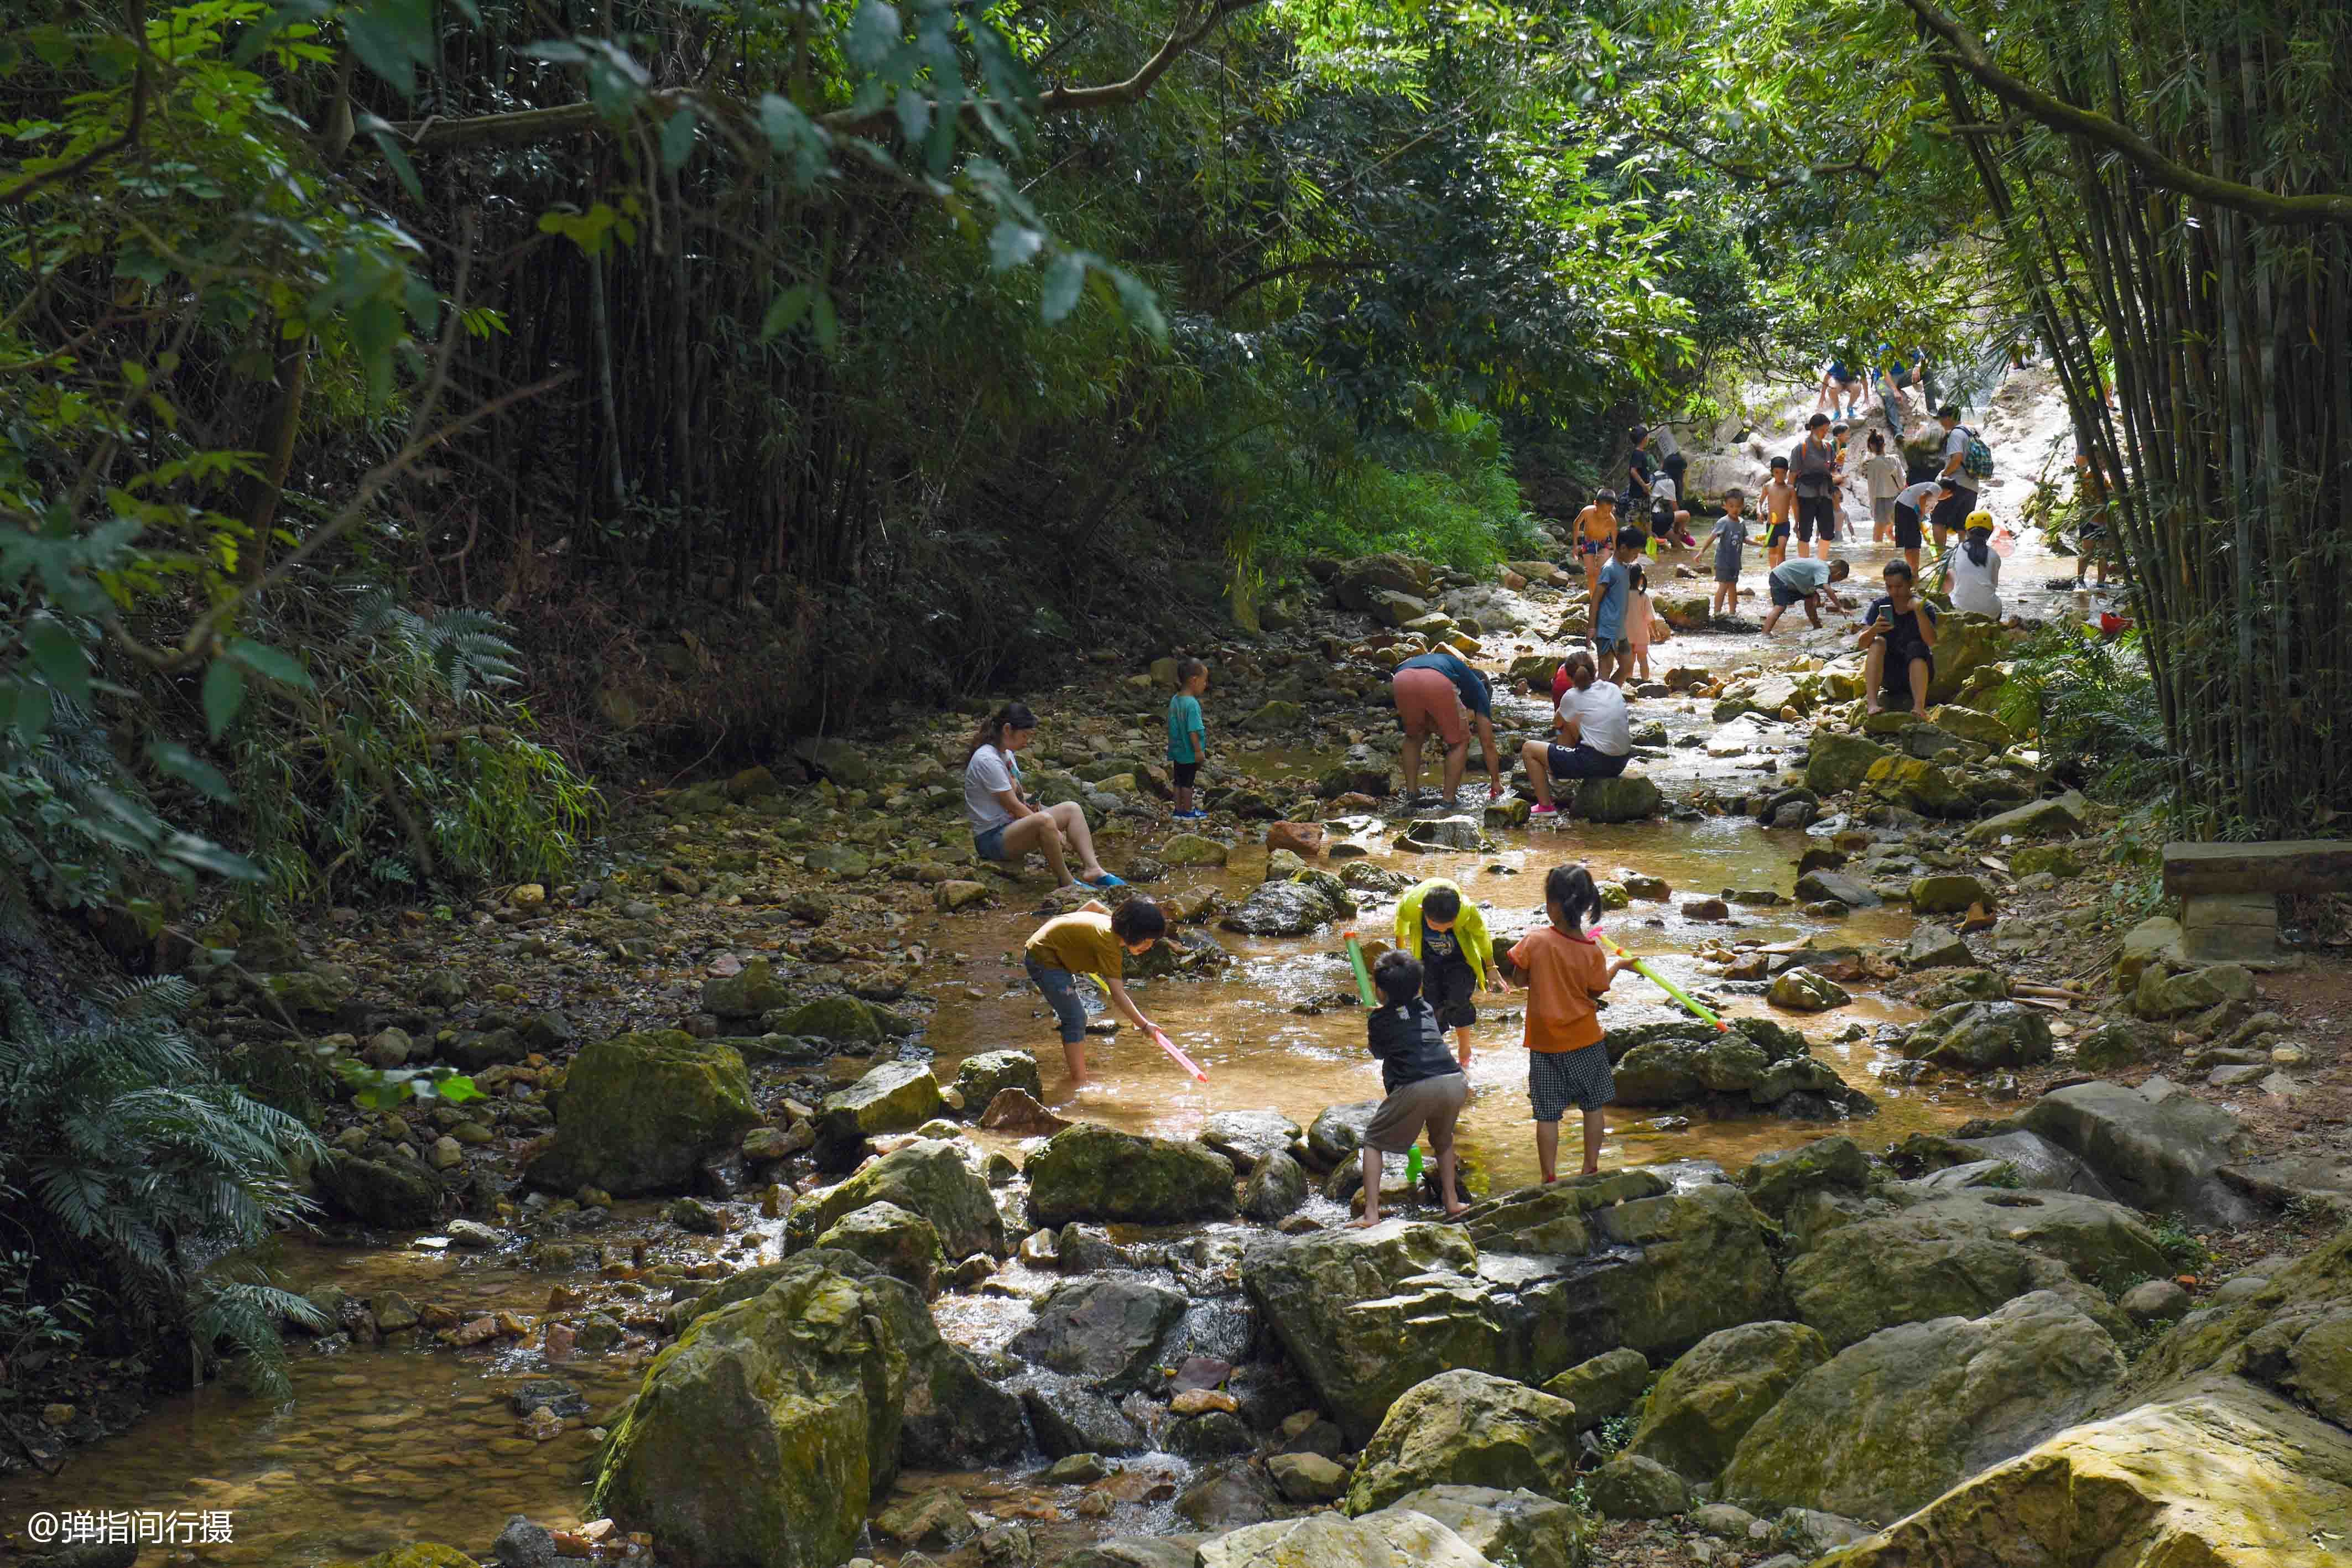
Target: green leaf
1064	280
272	663
387	142
224	695
34	706
677	140
784	312
392	38
170	757
58	654
823	322
202	854
1012	244
458	1089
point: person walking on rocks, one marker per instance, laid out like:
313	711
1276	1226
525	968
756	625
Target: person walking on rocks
1805	582
1593	730
1425	1088
1006	824
1813	472
1898	644
1188	736
1432	691
1090	940
1881	473
1566	976
1730	542
1447	936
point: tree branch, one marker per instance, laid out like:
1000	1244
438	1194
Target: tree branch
2268	206
576	118
136	23
1776	180
1328	264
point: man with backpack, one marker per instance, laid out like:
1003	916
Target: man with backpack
1967	464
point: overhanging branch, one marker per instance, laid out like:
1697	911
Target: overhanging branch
2058	113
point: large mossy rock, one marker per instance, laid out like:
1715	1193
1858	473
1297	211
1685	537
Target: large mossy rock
980	1079
2219	1474
640	1113
750	994
1468	1428
1964	644
1887	1425
397	1194
1292	907
1628	797
1509	1529
1717	1389
2293	1337
1604	1387
1976	1037
1774	1181
1361	579
2157	1147
839	1020
1091	1172
902	1245
2105	1244
1390	1539
1835	763
766	1434
928	1177
896	1097
1755	1064
1876	1276
1915	786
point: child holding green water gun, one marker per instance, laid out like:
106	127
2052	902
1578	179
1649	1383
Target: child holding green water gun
1436	926
1425	1087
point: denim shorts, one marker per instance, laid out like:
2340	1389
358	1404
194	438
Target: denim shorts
988	845
1061	988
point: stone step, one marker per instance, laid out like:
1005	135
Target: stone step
2287	865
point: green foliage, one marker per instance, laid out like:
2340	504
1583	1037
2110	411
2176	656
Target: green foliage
396	1088
2094	703
141	1163
2187	1252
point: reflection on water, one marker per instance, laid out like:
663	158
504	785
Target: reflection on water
1242	1028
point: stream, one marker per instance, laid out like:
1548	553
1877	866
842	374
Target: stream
381	1446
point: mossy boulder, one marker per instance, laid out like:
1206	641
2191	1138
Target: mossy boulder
395	1194
1802	991
1918	785
2059	860
1947	894
1628	797
840	1020
1963	645
1888	1425
902	1245
640	1113
770	1430
1776	1180
980	1079
896	1097
1973	724
2103	1243
1975	1037
1604	1387
1468	1428
1091	1172
1192	848
1509	1529
929	1178
1836	762
1876	1276
1708	1398
747	995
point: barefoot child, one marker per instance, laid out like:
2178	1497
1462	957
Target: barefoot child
1780	498
1448	936
1188	738
1730	542
1882	478
1596	526
1566	973
1640	618
1425	1087
1090	940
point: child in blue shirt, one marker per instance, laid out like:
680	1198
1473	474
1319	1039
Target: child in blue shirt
1188	740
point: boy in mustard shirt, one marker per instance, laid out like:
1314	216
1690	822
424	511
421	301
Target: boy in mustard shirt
1090	940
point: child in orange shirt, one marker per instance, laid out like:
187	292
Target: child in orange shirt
1566	974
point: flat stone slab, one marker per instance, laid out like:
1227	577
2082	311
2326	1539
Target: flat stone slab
2283	866
2229	927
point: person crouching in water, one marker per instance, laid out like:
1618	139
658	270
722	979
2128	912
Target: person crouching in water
1425	1087
1090	940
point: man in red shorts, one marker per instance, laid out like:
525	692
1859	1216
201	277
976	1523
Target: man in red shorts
1431	690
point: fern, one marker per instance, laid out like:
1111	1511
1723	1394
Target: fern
2095	704
135	1158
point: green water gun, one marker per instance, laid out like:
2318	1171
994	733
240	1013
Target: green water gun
1363	976
1657	979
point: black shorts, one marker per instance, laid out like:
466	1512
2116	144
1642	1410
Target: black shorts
1952	512
1894	681
1184	773
1906	528
1447	984
1816	512
1777	535
1783	596
1582	761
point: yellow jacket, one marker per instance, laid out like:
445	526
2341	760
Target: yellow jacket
1469	928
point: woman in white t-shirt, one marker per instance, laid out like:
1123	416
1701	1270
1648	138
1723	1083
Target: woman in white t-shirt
1006	824
1972	571
1592	720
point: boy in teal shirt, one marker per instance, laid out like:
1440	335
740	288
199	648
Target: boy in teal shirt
1188	740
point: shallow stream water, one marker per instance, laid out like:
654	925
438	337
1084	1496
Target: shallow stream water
386	1446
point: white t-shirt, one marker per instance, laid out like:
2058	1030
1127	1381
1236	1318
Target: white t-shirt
1920	498
1882	474
1977	588
1662	488
1601	719
989	771
1956	445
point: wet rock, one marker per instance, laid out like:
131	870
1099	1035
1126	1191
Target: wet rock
1249	1137
1706	909
1628	797
474	1236
766	1434
1364	876
1275	1190
841	1021
1444	833
1975	1037
1967	986
1211	1435
902	1245
1072	1420
1338	1133
2157	1147
980	1078
1631	1486
1104	1331
641	1113
695	1217
1017	1112
1290	908
929	1178
1709	1397
1467	1428
896	1097
1307	1478
1228	1499
1890	1423
1774	1181
1934	947
748	993
1090	1172
523	1544
1837	887
1802	991
1603	1387
933	1520
387	1194
956	893
1192	848
1877	1276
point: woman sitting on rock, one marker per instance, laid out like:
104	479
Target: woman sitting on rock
1006	824
1595	734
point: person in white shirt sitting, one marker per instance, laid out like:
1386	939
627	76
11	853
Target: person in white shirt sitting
1595	734
1972	572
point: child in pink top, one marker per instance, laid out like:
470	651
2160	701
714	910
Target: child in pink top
1638	615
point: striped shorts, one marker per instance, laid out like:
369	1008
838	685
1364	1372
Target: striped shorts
1558	1079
